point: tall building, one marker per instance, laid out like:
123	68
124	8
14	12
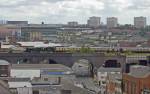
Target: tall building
140	22
112	22
94	21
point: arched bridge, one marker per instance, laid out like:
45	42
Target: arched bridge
97	59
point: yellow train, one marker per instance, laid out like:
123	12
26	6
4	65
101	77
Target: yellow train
90	49
103	49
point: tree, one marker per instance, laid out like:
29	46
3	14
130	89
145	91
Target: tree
86	50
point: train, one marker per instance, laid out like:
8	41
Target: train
90	49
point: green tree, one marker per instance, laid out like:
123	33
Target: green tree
86	50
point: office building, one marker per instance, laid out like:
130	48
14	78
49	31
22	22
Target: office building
112	22
140	22
94	21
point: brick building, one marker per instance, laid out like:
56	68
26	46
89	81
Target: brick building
114	84
137	80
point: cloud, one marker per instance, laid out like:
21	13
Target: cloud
61	11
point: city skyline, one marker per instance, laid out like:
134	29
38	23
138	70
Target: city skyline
62	11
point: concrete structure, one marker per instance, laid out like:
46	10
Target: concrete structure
137	80
94	21
82	68
88	83
69	88
4	88
134	60
103	73
46	89
40	70
96	59
112	22
140	22
73	24
4	68
20	86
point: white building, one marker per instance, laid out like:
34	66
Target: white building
102	75
112	22
20	86
94	21
140	22
25	73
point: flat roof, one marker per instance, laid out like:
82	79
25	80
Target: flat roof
19	84
38	44
103	69
40	66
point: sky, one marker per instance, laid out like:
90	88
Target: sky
62	11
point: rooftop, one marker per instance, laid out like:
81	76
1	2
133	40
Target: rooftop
4	62
68	85
19	79
103	69
19	84
40	66
38	44
139	71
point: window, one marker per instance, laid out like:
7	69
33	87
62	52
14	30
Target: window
66	92
133	88
35	92
45	79
103	82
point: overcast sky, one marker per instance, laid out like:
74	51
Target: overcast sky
62	11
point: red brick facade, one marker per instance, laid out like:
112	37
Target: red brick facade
133	85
